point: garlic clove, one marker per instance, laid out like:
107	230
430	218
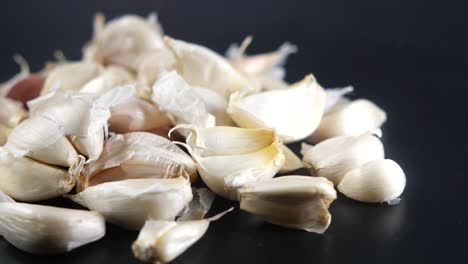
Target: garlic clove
349	119
215	104
27	88
299	202
27	180
205	68
334	157
154	64
137	155
271	83
129	203
162	241
374	182
110	78
4	132
291	161
294	113
8	85
11	112
71	76
42	229
336	96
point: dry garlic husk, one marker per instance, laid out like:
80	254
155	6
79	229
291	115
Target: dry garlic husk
111	77
27	180
175	97
299	202
129	203
137	155
42	229
349	119
124	41
294	113
136	114
374	182
205	68
215	104
162	241
334	157
11	112
336	96
71	76
154	64
270	83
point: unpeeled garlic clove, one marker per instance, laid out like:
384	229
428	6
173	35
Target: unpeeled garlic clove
334	157
215	104
291	161
111	77
137	155
129	203
374	182
4	132
42	229
349	119
162	241
336	96
205	68
11	112
299	202
294	113
154	64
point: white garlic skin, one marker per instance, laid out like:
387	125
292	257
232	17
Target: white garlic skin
374	182
71	76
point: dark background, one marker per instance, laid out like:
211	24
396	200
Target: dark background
410	57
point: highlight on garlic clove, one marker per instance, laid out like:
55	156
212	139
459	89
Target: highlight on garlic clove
349	119
203	67
154	64
128	203
162	241
111	77
40	229
294	113
137	155
71	76
291	161
11	112
299	202
124	41
336	96
334	157
374	182
215	104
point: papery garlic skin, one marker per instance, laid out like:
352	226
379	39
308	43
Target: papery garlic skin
291	161
110	78
42	229
27	180
294	113
299	202
129	203
71	76
374	182
215	104
334	157
11	112
349	119
154	64
336	96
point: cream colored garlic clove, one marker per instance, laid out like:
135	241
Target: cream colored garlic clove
71	76
205	68
336	96
42	229
4	132
129	203
270	83
154	64
349	119
299	202
291	161
374	182
334	157
11	112
110	78
294	113
137	155
215	104
162	241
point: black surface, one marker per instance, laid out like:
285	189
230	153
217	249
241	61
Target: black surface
410	57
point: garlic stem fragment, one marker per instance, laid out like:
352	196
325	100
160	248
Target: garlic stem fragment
110	78
215	104
299	202
336	96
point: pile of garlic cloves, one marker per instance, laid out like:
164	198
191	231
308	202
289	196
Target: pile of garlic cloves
128	129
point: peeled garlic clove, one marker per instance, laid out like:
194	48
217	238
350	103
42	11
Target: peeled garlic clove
215	104
205	68
137	114
110	78
374	182
11	112
334	157
294	113
27	180
174	96
71	76
336	96
299	202
349	119
154	64
291	161
137	155
42	229
4	132
129	203
162	241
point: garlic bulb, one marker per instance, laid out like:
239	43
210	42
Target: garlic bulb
374	182
27	180
42	229
295	112
71	76
162	241
336	96
11	112
137	155
349	119
129	203
154	64
124	41
205	68
291	161
299	202
110	78
215	104
334	157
